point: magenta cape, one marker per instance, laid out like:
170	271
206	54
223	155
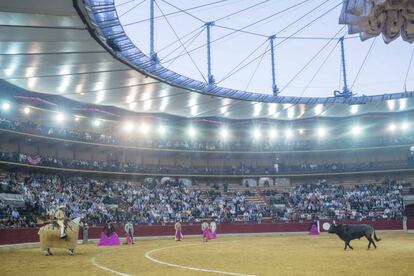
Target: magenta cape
113	240
178	235
314	230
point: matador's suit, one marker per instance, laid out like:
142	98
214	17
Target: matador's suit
60	219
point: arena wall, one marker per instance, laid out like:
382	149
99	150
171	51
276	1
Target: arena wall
28	235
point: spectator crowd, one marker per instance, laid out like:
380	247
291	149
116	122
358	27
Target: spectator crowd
166	200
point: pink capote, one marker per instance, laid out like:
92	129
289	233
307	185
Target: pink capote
314	230
112	240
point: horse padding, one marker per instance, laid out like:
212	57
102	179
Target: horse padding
50	236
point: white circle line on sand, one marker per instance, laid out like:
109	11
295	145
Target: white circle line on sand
93	260
149	257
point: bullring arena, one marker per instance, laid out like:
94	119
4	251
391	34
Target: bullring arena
207	137
268	254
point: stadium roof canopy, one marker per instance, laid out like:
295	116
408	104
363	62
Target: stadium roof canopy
81	52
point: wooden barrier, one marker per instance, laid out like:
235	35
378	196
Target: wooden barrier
26	235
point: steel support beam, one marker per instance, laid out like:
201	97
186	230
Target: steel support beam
211	79
153	54
272	56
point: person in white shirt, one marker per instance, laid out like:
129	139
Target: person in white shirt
213	229
129	229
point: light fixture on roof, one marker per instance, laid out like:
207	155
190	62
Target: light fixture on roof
405	126
392	127
301	131
291	112
272	109
26	110
164	103
356	130
321	132
100	96
144	128
192	132
257	109
224	133
192	102
132	105
147	105
194	110
257	134
60	117
5	106
354	109
272	133
403	103
97	122
391	104
162	130
77	118
318	109
288	133
128	127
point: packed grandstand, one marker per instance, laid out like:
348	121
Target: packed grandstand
155	202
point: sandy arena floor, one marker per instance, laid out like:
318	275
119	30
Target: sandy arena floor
230	255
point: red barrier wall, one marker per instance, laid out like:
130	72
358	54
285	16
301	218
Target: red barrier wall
410	223
24	235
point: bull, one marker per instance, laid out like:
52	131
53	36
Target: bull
347	233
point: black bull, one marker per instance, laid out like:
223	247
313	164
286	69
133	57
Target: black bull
347	233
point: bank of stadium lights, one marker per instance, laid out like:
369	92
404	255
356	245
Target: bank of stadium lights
354	109
5	106
271	109
301	131
26	110
77	118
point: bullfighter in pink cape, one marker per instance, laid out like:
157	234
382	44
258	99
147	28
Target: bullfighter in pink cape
314	229
178	233
108	236
206	231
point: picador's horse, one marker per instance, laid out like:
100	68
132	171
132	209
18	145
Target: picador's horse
347	233
50	237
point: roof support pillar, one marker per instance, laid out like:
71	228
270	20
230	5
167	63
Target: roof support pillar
153	54
272	56
211	79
